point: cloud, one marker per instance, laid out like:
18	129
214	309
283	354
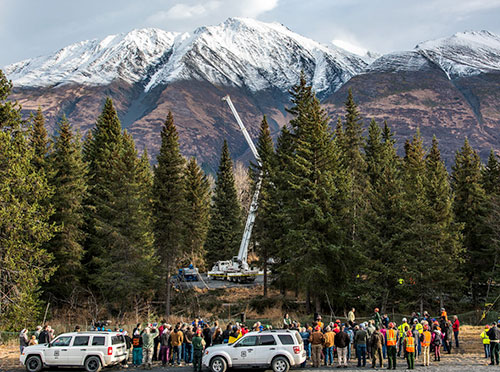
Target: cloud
184	11
254	8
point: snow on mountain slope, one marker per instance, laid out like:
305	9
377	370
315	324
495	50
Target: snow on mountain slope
465	53
238	52
248	53
96	62
398	62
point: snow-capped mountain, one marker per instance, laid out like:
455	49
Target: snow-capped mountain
256	55
239	52
96	62
465	53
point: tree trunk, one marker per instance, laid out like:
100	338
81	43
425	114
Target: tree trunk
308	301
167	295
317	304
265	275
421	304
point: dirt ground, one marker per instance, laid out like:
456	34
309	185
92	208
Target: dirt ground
469	357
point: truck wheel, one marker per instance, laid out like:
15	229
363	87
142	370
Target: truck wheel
280	364
33	363
218	364
92	364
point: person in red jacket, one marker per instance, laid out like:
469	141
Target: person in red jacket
456	329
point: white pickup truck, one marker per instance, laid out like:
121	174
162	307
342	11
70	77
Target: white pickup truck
89	350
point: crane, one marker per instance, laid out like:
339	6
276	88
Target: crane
238	269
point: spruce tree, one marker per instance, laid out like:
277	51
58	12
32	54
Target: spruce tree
169	205
445	244
311	235
39	140
380	243
197	214
101	149
24	220
225	229
68	175
264	220
470	210
491	185
127	267
490	175
354	162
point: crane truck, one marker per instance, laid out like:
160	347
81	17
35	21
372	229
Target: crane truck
237	269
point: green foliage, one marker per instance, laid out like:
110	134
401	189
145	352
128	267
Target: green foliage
67	175
39	140
169	204
127	266
470	209
24	220
264	229
225	229
197	214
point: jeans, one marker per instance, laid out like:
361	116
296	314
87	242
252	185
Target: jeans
349	347
455	333
486	350
328	355
307	347
137	356
361	351
384	351
176	351
188	353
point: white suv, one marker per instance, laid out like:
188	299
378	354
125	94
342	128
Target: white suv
90	350
278	349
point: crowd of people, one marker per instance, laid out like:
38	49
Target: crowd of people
378	339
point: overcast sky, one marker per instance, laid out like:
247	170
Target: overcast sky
30	28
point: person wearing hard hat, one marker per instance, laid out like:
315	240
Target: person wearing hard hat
391	340
486	341
403	329
317	340
494	336
425	342
409	344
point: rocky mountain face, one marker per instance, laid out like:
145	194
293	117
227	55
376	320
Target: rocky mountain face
447	87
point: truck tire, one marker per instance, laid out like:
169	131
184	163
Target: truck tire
33	363
280	364
218	364
92	364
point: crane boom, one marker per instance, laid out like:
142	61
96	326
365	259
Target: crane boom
245	240
242	127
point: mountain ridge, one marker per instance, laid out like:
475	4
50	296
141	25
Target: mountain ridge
448	86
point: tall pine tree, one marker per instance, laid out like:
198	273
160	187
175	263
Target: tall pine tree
197	214
39	140
127	267
470	210
68	175
24	220
101	149
169	205
264	219
225	229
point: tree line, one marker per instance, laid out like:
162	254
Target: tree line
344	218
